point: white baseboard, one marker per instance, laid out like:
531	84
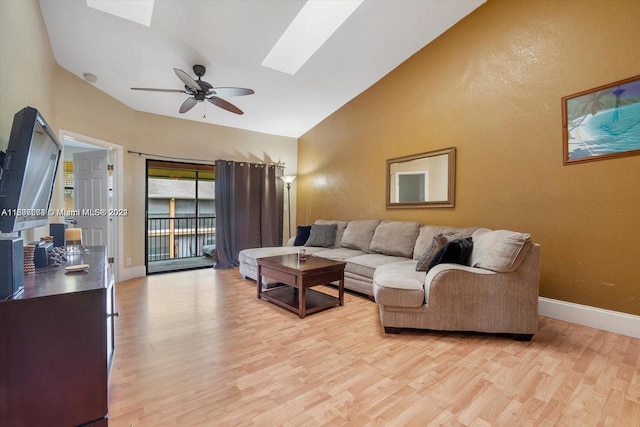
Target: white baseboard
593	317
132	273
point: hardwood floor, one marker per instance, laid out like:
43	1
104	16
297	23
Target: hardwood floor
197	348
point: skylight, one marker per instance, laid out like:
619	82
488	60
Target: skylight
314	24
138	11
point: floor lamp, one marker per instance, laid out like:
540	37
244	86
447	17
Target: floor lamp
288	179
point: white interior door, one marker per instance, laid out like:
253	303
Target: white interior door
91	196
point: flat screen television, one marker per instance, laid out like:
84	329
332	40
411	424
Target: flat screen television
28	172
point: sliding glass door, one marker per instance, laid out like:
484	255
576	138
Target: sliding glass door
180	216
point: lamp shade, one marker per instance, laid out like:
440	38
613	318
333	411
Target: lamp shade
73	236
288	179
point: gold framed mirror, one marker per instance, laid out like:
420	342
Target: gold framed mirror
425	180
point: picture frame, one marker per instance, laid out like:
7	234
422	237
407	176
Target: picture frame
602	123
431	180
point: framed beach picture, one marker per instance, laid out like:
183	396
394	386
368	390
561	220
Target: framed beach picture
602	123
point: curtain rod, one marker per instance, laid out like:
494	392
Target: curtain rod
139	154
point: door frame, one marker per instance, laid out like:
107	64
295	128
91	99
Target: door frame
118	163
424	174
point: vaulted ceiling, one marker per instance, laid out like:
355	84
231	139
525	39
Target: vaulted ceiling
231	39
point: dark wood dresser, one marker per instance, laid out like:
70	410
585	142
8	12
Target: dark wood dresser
56	346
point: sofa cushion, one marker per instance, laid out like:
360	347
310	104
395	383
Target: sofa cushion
365	265
397	284
501	251
359	233
341	226
456	251
395	238
338	254
302	235
322	235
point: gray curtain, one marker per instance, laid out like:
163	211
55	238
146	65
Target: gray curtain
249	209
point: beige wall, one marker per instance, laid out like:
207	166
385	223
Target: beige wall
492	87
26	64
82	109
30	76
26	71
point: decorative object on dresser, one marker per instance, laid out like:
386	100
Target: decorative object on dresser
73	239
29	263
57	231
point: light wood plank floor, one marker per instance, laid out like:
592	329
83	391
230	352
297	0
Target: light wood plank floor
197	348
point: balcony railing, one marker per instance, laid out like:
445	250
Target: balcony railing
179	237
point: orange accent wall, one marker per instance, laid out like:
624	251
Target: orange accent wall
492	86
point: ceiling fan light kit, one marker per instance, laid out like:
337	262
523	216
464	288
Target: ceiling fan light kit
201	91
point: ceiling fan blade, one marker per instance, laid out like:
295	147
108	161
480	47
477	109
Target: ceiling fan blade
158	90
188	104
187	80
233	91
224	104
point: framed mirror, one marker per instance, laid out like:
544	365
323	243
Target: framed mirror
425	180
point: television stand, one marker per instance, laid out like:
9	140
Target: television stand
56	345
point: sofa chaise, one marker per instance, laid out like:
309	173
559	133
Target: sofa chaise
427	276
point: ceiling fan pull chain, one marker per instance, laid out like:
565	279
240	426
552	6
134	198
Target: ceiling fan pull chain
204	110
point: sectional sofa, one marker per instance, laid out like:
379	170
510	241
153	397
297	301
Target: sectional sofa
428	276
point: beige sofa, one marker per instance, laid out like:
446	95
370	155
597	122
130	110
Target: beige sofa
495	291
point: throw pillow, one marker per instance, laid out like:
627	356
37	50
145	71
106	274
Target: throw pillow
322	235
425	238
501	251
302	235
342	225
456	251
437	242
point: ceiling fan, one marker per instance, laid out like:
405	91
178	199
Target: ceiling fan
201	90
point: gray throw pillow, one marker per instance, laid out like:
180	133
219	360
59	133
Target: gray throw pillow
322	235
437	243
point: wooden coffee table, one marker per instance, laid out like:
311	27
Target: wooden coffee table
300	276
